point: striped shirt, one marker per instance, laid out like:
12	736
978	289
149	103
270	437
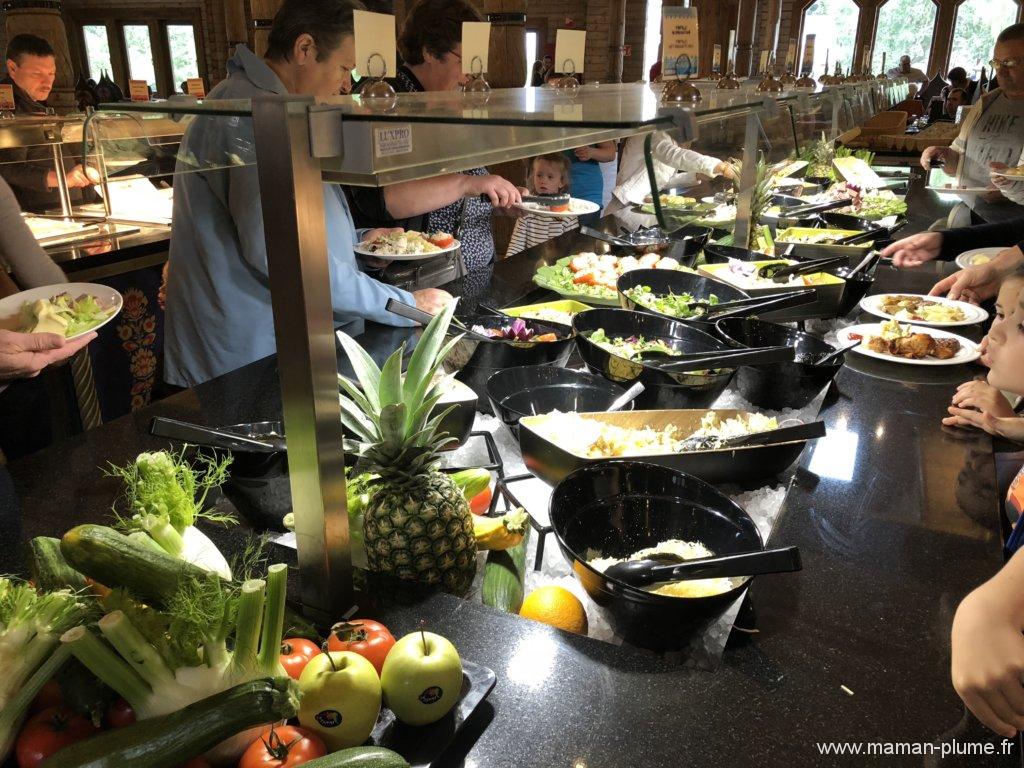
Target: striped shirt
531	230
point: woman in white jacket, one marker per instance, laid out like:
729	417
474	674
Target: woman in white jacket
670	159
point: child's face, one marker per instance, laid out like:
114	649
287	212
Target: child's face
1004	305
1006	341
547	178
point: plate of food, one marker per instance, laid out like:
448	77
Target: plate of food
923	310
977	256
591	278
69	309
903	343
407	246
575	207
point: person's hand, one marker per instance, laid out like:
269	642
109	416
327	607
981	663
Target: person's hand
993	195
727	170
988	658
584	153
945	154
974	284
24	355
502	192
1009	427
78	178
1012	189
914	250
432	300
983	396
371	261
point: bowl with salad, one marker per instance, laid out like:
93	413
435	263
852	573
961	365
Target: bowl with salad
68	309
679	296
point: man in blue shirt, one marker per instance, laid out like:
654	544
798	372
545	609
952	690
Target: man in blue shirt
219	315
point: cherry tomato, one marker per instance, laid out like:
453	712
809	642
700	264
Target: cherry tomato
295	655
49	696
369	639
480	503
441	239
120	714
48	732
283	747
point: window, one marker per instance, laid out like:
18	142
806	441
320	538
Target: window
531	56
139	48
895	37
652	35
978	23
181	43
97	51
834	24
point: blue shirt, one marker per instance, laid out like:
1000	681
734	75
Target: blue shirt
587	181
219	315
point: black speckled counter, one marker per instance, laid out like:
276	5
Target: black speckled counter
896	518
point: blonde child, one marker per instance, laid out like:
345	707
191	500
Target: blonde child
549	175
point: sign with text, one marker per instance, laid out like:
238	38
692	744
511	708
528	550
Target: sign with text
476	42
680	41
6	98
716	58
375	44
196	86
138	90
392	140
570	51
791	55
807	65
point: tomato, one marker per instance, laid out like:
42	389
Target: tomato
282	747
480	503
49	696
559	208
369	639
295	655
441	239
51	730
120	714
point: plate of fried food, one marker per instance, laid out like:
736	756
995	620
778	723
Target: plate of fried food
915	308
904	343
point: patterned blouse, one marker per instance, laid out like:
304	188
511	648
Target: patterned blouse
475	232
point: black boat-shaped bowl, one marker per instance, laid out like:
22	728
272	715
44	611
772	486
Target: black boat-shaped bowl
552	457
258	484
662	389
686	243
779	385
538	389
669	281
616	508
715	253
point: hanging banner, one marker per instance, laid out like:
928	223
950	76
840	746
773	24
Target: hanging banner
7	97
196	86
807	65
376	54
791	55
680	42
570	50
476	42
716	58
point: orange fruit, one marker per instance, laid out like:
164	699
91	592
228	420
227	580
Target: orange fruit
556	606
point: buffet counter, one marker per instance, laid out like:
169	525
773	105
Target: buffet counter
896	519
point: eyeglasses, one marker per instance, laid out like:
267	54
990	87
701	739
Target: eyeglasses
1005	63
456	55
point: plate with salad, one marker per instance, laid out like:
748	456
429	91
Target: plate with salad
68	309
407	246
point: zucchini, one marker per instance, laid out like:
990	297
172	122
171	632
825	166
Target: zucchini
359	757
504	574
151	575
50	571
170	740
472	481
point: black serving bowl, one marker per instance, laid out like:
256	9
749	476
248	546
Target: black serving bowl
619	507
474	360
537	389
856	288
258	483
831	219
779	385
687	242
662	389
666	281
720	254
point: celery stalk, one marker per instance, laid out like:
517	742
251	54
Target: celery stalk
109	667
247	624
133	647
273	620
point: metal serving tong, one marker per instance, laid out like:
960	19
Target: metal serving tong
804	210
195	434
809	431
664	566
548	201
721	358
599	235
780	273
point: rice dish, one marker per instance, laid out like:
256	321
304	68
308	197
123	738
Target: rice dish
687	550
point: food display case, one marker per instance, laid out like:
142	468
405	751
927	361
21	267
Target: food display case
374	142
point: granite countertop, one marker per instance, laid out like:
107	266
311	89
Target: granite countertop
896	519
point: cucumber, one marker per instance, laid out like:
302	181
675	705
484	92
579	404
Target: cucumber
50	571
170	740
504	574
359	757
116	560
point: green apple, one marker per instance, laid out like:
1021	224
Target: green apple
422	678
340	698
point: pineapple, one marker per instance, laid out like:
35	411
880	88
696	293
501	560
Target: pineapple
416	522
760	201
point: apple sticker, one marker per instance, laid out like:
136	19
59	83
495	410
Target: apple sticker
329	718
431	695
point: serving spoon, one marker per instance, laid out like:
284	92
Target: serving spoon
826	359
667	567
626	397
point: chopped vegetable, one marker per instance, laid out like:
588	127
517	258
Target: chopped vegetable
631	347
63	315
674	304
517	331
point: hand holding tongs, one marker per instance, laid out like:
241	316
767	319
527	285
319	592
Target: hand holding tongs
781	273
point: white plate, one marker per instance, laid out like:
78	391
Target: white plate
363	251
966	259
960	191
1007	175
974	314
577	207
968	349
10	307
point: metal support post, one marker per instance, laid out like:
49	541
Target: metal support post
748	178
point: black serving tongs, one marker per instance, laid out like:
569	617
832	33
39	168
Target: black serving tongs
665	566
781	273
804	210
722	358
755	304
